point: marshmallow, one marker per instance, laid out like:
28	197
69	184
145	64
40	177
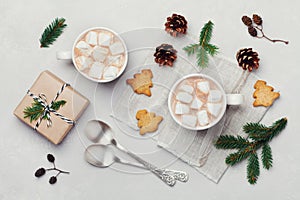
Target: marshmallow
116	48
189	120
84	47
214	96
91	38
110	72
96	70
181	109
99	53
202	117
83	62
115	60
203	86
104	39
196	103
187	88
184	97
214	108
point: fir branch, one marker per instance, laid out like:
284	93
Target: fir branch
266	156
259	135
239	156
202	57
206	33
33	112
52	32
57	104
253	168
203	49
211	49
191	49
231	142
37	110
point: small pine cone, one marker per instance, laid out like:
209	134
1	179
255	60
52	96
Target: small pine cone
247	59
247	21
257	19
176	24
252	31
165	54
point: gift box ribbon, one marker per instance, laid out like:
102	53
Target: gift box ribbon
42	99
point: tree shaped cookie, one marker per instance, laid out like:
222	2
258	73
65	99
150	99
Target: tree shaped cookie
263	94
142	82
147	121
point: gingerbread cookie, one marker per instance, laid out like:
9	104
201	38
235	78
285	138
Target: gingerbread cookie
264	95
147	121
142	82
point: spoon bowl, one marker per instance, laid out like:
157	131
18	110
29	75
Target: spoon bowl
100	155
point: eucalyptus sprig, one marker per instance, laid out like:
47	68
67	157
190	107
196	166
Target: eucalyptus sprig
52	32
37	110
203	49
259	136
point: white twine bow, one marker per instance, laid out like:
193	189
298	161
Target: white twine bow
42	100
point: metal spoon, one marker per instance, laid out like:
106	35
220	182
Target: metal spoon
100	132
103	156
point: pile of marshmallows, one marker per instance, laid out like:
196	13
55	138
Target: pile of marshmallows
192	109
101	55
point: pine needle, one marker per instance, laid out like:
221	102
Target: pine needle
52	32
203	49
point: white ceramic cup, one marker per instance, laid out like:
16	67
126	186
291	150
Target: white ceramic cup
228	99
70	55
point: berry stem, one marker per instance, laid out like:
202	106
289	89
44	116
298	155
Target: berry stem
60	171
266	37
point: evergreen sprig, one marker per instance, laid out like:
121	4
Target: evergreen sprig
203	49
52	32
36	110
259	136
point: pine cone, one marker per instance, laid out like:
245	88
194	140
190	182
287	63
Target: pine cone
247	59
176	24
247	21
165	54
252	31
257	19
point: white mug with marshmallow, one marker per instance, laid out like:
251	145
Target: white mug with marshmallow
101	61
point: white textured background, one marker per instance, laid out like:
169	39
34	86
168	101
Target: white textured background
21	151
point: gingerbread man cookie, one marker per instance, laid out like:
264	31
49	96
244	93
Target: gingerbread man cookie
142	82
147	121
263	94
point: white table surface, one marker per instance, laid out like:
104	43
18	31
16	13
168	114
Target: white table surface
22	151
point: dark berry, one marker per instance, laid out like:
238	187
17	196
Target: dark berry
52	180
50	158
40	172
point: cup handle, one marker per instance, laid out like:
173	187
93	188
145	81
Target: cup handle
64	55
234	99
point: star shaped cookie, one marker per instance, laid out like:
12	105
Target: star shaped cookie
147	121
142	82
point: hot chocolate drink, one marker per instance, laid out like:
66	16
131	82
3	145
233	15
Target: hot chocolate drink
197	102
100	54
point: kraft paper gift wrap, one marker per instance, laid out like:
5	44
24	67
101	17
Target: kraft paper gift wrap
49	84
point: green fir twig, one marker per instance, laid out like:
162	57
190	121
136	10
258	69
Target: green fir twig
52	32
36	110
259	136
203	49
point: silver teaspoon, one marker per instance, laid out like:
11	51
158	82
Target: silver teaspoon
102	156
100	132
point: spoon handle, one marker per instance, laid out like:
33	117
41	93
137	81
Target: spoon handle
165	175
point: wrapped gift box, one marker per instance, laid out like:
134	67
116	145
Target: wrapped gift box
46	87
